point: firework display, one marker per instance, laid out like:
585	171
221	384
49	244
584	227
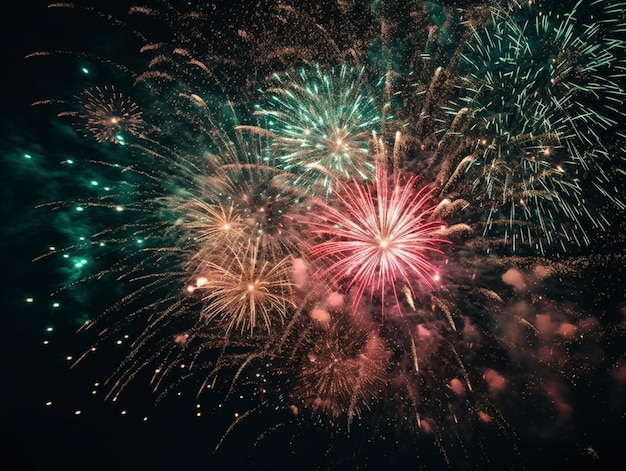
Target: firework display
349	215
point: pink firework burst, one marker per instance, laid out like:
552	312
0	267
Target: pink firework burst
375	235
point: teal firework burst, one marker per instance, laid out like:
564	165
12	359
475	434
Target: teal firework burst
542	89
323	121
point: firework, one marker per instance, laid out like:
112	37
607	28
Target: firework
107	114
344	369
210	225
323	122
374	238
540	94
246	289
263	198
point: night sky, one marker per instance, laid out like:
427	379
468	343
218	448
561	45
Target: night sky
53	421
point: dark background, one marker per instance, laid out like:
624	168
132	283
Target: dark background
102	437
37	436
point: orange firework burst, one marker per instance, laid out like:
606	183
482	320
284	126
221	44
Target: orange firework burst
244	289
107	114
345	369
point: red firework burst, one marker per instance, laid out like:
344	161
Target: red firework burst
377	234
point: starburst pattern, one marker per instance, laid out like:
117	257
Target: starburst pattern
210	225
323	121
376	238
264	199
246	289
344	369
107	114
